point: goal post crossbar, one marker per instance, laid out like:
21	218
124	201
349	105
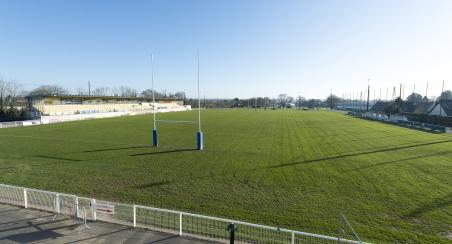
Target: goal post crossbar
178	121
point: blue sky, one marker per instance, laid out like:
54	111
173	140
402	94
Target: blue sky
247	48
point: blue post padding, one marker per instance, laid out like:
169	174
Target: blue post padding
155	137
200	141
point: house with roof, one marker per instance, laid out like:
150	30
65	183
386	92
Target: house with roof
442	108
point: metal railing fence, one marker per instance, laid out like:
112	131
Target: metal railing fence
157	219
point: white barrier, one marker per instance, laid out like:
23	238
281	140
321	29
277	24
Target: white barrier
13	124
164	220
50	119
74	117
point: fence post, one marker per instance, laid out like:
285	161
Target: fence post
134	216
58	210
231	228
180	224
25	198
76	206
293	238
93	209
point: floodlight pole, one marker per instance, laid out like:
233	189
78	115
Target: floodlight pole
426	92
368	95
441	100
199	136
154	130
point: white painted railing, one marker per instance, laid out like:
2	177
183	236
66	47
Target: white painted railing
157	219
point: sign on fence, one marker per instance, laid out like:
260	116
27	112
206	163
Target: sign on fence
105	208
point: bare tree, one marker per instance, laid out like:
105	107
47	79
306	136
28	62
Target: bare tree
48	90
283	99
164	93
127	91
414	97
300	101
13	90
333	100
81	91
101	91
148	94
446	95
2	94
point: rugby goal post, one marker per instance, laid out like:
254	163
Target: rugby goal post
199	135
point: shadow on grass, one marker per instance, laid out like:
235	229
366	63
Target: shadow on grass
154	184
117	148
357	154
58	158
164	152
183	178
399	161
437	203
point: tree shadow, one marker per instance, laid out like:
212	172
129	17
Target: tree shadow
35	236
164	152
356	154
437	203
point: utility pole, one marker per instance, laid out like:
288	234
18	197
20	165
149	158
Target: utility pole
331	97
426	91
89	88
368	94
255	103
403	93
360	100
441	100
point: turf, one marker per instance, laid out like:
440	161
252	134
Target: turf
293	169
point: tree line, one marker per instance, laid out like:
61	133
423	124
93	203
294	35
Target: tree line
11	104
396	107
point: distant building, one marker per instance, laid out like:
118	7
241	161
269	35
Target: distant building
406	107
73	105
355	105
381	106
443	108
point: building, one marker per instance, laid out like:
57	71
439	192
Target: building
76	107
442	108
406	107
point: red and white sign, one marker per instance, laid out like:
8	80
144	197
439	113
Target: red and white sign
105	208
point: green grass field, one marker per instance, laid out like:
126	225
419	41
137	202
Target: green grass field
292	169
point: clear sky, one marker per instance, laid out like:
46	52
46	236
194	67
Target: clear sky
247	48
